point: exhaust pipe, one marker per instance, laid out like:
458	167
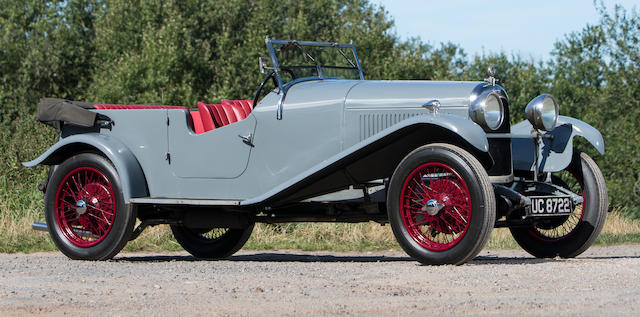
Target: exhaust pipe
42	226
39	226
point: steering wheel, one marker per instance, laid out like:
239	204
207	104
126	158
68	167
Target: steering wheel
289	72
272	76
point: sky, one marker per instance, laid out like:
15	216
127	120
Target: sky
527	28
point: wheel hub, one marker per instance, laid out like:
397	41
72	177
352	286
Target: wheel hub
81	207
432	207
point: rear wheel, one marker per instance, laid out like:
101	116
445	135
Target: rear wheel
441	205
571	235
211	243
85	209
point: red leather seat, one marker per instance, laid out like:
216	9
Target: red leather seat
209	117
198	127
244	106
230	112
206	117
240	108
219	117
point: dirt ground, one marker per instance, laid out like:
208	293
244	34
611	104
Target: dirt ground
603	281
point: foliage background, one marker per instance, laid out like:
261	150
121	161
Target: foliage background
180	51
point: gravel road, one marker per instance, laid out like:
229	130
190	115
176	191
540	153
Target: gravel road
604	280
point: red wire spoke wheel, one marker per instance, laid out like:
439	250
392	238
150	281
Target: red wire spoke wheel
441	204
570	235
85	206
446	223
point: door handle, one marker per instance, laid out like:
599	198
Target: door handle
247	139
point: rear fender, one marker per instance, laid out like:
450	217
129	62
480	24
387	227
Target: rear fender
555	154
129	170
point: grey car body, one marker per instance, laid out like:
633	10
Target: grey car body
324	122
313	139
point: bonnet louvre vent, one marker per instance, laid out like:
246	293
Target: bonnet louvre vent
373	123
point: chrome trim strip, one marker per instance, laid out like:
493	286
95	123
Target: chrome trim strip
175	201
501	179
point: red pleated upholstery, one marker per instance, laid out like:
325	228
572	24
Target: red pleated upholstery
198	127
206	117
219	117
237	110
230	112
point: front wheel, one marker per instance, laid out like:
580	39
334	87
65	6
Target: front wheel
85	209
571	235
441	205
211	243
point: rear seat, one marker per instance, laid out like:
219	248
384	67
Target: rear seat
205	117
209	117
197	122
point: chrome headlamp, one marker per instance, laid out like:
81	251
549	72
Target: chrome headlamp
542	112
487	110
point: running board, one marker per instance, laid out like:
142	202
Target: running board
189	202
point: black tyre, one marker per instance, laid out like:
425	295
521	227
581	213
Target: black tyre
441	205
85	210
216	243
572	235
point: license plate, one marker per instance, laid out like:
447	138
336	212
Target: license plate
550	205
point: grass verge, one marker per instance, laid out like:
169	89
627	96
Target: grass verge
16	236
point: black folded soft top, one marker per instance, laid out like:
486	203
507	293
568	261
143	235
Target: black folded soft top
55	112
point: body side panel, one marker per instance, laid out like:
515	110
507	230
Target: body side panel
468	130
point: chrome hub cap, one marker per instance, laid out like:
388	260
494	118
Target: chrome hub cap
432	207
81	207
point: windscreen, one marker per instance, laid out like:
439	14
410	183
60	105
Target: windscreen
297	61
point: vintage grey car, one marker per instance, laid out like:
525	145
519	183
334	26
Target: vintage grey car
437	160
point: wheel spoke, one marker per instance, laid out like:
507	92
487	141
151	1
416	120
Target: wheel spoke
446	227
91	185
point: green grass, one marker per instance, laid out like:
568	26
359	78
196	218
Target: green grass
16	236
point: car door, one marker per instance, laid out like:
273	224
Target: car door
218	153
309	132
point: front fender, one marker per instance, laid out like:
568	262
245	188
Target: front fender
556	153
377	154
466	129
129	170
